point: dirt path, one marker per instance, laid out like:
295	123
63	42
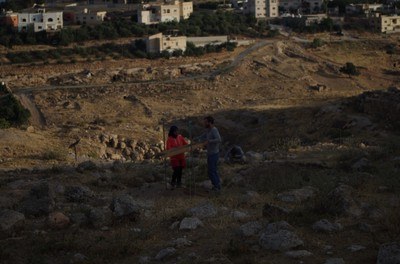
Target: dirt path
37	119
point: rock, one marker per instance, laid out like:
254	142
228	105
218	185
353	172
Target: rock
325	226
250	197
165	253
78	258
205	210
9	219
174	225
276	226
238	215
297	195
190	223
282	240
86	166
58	220
296	254
274	211
360	165
39	202
125	206
389	254
99	217
355	248
250	228
364	227
79	218
180	242
335	261
18	185
144	260
341	202
30	129
77	194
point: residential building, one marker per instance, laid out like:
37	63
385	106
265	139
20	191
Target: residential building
156	13
41	20
86	17
313	6
158	43
314	19
386	24
9	19
262	8
363	9
301	6
290	5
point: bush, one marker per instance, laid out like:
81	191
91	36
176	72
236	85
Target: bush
12	112
350	69
317	42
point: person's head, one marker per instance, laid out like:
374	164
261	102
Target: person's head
173	131
208	121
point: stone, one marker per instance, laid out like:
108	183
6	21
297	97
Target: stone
250	197
86	166
18	185
355	248
174	225
78	258
77	194
181	242
296	254
10	218
30	129
341	202
118	166
39	201
297	195
276	226
253	157
324	225
190	223
274	211
99	217
165	253
389	254
79	218
282	240
250	228
205	210
360	165
239	215
144	260
125	206
58	220
335	261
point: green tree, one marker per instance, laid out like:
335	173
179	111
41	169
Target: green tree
350	69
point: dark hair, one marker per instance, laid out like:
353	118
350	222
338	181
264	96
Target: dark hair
210	119
172	131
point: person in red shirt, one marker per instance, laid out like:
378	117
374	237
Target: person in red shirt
178	162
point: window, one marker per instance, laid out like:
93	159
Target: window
34	19
92	18
39	27
176	43
168	11
24	20
50	20
165	43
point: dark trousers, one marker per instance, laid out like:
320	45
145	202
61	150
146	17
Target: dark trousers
177	176
212	164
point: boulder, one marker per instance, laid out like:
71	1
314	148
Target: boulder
58	220
276	226
99	217
250	228
282	240
389	254
77	194
39	201
165	253
296	254
124	206
9	219
355	248
335	261
239	215
190	223
341	202
274	211
297	195
205	210
181	242
326	226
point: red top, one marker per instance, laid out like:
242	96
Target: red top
177	160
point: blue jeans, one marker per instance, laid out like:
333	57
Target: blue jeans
212	162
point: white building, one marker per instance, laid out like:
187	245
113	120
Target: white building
363	9
158	43
262	8
153	14
40	21
90	18
386	24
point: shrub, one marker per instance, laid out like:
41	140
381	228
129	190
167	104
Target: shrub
350	69
12	112
317	42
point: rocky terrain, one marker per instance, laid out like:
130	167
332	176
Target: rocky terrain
320	184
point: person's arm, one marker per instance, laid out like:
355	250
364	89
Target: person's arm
202	137
169	144
183	140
